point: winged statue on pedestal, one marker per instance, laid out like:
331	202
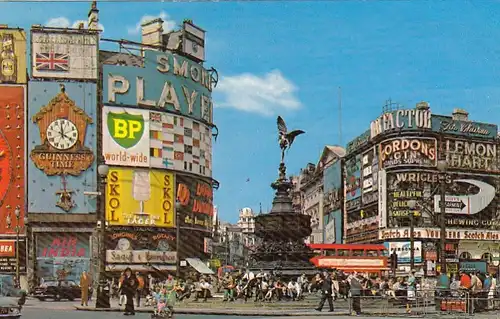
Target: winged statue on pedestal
286	138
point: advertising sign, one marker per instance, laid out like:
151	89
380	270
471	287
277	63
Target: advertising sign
382	198
125	139
447	125
401	120
408	152
62	147
8	256
12	56
369	172
332	186
64	54
435	233
471	201
12	146
403	251
139	197
62	256
167	82
180	143
196	200
471	155
333	228
353	178
139	247
358	142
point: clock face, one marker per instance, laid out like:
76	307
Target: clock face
62	134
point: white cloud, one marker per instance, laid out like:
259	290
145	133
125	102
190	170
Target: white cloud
265	95
63	22
168	24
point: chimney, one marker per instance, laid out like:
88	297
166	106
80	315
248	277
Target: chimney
93	21
460	115
152	32
423	106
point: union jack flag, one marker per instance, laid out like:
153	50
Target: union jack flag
52	62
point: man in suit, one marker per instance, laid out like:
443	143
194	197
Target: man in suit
326	292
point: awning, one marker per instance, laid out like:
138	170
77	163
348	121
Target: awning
199	266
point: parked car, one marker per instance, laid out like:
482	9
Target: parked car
57	290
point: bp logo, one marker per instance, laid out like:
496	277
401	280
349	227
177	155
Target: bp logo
125	128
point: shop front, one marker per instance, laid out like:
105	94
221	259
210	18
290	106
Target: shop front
141	249
62	256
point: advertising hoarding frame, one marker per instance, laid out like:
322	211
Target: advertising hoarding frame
71	196
432	152
128	122
15	122
67	32
123	179
447	125
195	202
19	39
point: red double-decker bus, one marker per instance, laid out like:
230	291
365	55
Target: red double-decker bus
367	258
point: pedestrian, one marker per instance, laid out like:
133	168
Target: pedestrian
84	287
326	292
140	288
123	298
355	289
411	290
129	287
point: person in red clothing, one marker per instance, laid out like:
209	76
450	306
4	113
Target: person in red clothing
465	281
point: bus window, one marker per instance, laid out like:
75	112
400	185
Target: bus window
342	252
330	252
357	252
372	253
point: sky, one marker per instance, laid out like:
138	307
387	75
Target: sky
290	58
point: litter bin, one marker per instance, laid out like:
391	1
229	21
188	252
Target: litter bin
103	296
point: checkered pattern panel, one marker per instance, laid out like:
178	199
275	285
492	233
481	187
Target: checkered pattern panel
180	143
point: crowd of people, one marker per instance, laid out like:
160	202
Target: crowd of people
269	286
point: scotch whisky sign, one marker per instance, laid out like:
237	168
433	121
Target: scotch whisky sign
12	56
63	127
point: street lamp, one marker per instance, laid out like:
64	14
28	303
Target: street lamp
102	300
411	205
178	237
442	166
18	228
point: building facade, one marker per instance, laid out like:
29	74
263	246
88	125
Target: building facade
147	117
393	185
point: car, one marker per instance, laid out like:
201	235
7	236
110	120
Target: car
57	290
9	308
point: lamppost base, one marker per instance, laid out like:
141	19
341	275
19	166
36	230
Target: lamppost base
103	297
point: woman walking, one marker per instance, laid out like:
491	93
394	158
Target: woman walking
129	288
84	286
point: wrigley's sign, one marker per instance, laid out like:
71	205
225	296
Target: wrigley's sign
435	233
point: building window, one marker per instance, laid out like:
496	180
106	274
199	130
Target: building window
487	257
465	255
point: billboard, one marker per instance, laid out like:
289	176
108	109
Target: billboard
369	172
64	54
419	152
12	155
332	186
138	247
8	256
353	178
447	125
471	199
12	56
470	155
125	139
333	225
196	202
358	142
167	82
62	256
62	147
140	197
401	120
403	251
180	143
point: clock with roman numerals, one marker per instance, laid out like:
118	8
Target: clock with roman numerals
62	134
